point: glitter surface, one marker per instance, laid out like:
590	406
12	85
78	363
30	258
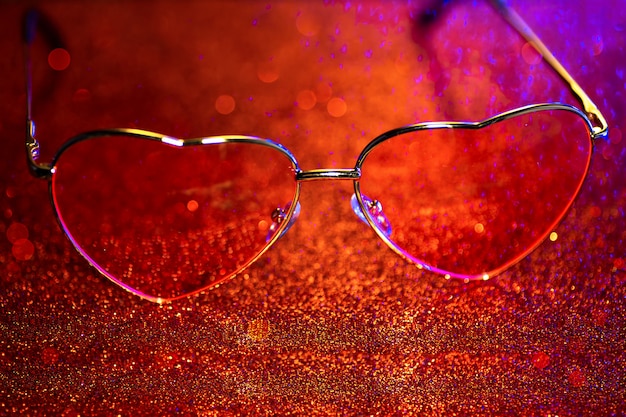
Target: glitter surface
329	321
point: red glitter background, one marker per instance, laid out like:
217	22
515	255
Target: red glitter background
329	321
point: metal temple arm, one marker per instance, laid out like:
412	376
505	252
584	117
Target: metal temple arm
34	22
600	128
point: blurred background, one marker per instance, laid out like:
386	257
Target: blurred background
329	321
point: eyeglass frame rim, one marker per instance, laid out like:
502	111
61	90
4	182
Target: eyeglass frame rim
300	176
170	141
597	121
318	174
593	118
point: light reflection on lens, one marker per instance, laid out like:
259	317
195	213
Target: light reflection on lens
169	232
470	202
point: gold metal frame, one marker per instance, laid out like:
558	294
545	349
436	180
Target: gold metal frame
384	236
590	114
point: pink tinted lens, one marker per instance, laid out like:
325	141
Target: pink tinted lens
469	202
166	221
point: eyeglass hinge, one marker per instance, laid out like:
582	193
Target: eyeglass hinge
32	155
601	128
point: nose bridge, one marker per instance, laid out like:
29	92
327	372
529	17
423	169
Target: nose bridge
329	174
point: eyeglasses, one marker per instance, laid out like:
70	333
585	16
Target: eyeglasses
463	199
